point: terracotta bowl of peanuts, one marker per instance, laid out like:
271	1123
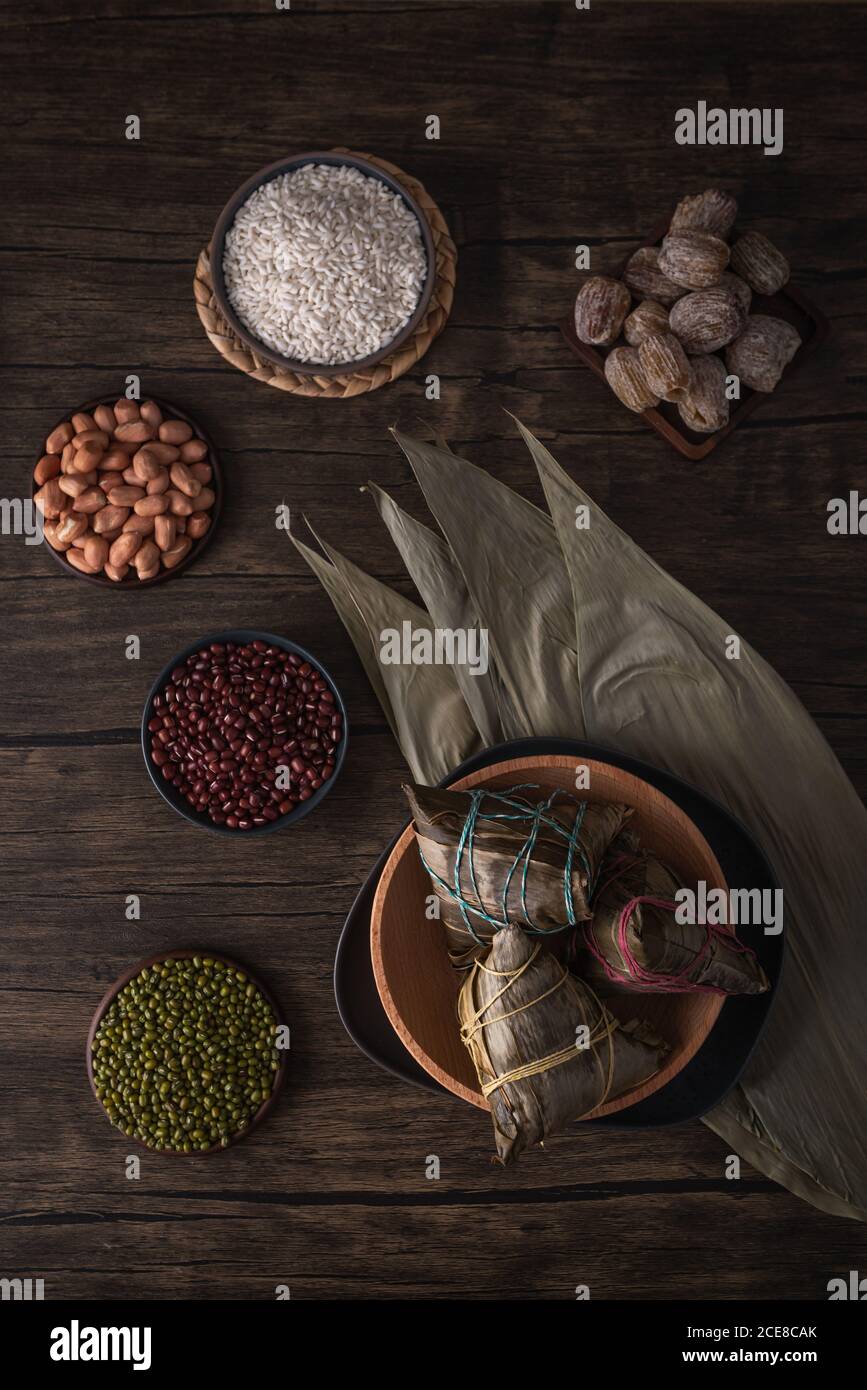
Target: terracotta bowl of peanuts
130	492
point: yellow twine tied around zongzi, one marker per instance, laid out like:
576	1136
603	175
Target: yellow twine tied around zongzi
605	1027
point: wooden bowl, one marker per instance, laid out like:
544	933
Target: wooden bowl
170	412
186	954
419	987
267	175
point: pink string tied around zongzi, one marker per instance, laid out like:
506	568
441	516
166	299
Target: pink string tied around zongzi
676	983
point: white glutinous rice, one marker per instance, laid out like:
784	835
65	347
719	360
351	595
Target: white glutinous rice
324	264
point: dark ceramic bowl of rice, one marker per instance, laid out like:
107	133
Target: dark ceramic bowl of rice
323	264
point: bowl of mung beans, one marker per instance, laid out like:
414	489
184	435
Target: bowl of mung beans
184	1053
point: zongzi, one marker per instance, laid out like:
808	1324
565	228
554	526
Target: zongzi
545	1048
511	855
636	940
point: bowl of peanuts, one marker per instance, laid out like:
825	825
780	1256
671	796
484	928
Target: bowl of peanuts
129	492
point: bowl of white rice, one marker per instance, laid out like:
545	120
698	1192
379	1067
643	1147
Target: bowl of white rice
323	264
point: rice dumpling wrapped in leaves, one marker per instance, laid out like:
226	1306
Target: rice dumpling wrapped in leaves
512	855
545	1048
635	941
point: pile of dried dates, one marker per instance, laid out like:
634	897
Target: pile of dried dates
694	295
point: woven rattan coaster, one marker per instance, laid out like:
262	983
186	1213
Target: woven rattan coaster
390	368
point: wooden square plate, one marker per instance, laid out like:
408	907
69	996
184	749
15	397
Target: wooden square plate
790	304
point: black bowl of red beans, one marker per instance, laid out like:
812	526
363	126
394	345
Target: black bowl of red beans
244	732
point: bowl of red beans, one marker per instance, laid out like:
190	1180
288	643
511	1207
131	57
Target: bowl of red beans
244	732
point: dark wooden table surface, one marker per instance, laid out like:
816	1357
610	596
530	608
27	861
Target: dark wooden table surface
557	127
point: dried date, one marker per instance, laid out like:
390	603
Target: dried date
712	211
665	366
760	354
650	317
694	259
704	407
758	261
600	308
625	375
707	319
645	279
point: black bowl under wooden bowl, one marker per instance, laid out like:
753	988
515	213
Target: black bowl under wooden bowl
718	1063
267	175
170	412
242	636
187	953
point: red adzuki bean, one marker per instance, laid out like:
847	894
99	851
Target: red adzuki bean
229	717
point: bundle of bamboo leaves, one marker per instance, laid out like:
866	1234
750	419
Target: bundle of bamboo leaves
590	639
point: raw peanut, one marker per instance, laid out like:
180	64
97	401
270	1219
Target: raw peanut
625	376
70	527
173	557
148	574
58	438
760	354
67	459
758	261
145	466
105	419
738	287
109	519
183	479
112	535
128	446
205	500
106	481
130	477
703	406
693	259
142	525
125	496
712	211
646	280
600	308
706	320
123	549
81	421
115	461
179	505
163	453
91	437
51	501
181	525
649	317
147	557
49	530
151	412
202	471
165	531
665	365
134	432
151	506
47	467
78	560
175	432
96	551
73	485
90	501
126	410
160	483
197	525
87	457
117	572
194	451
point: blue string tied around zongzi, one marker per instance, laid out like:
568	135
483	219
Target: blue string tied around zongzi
536	815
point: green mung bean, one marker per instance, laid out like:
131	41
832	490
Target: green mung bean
196	1075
